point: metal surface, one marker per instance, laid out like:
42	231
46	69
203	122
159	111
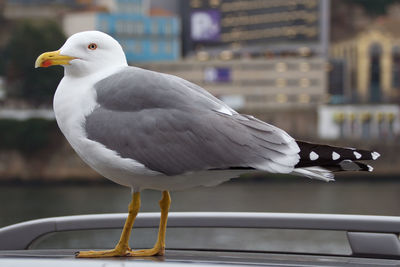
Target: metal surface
374	243
44	258
20	236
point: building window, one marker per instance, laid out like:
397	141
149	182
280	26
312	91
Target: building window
217	75
391	118
119	27
280	82
281	67
168	28
281	98
304	66
375	73
396	67
304	82
168	48
137	48
304	98
138	27
353	125
339	118
154	27
154	48
366	125
130	27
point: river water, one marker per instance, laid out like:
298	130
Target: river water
372	196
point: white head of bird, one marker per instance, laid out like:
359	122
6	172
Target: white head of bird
85	53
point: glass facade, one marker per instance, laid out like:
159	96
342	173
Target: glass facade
144	38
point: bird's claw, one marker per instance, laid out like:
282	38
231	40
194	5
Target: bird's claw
102	253
156	251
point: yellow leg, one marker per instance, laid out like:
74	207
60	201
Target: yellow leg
159	247
122	248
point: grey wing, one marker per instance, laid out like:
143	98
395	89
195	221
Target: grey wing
221	106
173	130
136	89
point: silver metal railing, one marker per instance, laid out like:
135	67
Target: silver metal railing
367	235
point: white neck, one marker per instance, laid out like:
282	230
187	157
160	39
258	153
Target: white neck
75	98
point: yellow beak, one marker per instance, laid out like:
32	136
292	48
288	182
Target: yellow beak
52	58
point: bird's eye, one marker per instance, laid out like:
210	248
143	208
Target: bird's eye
92	46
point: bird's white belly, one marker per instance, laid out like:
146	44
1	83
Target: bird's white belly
72	103
131	173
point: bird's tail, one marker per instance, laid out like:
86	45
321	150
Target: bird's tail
320	161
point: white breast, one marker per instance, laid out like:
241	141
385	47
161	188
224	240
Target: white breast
74	99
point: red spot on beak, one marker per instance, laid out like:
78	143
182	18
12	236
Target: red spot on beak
46	63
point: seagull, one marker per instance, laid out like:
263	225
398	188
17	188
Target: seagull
150	130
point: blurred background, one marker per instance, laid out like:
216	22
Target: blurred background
325	71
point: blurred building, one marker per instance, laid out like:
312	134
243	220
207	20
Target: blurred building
34	9
241	82
371	63
143	37
365	69
255	26
379	122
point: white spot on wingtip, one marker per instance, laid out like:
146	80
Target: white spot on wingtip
313	155
375	155
357	155
335	155
370	168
